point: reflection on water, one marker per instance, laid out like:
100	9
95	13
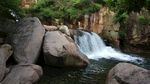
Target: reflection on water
95	73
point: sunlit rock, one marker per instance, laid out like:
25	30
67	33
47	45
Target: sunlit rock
60	50
125	73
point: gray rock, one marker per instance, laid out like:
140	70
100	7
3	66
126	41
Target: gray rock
60	50
125	73
64	29
23	74
50	28
5	53
28	40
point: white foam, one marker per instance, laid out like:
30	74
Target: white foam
93	46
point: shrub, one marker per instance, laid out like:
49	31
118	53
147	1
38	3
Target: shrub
63	9
8	8
144	20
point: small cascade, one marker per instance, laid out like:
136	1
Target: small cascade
93	46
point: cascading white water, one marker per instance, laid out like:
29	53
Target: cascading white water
93	46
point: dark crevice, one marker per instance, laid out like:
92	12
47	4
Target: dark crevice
120	81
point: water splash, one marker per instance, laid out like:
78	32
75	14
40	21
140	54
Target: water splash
93	46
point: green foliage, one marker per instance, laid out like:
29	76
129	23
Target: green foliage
121	16
7	6
124	7
100	1
147	4
74	9
63	9
144	20
127	5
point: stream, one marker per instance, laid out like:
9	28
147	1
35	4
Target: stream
102	59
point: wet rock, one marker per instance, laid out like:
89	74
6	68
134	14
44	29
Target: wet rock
23	74
125	73
102	22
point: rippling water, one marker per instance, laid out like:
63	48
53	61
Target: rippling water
103	58
95	73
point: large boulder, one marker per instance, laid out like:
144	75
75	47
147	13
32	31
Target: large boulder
60	50
125	73
23	74
28	40
5	53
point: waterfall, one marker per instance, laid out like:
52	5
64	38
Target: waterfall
93	46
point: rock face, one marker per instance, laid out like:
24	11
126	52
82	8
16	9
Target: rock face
23	74
124	73
137	38
105	26
102	23
60	50
28	40
5	53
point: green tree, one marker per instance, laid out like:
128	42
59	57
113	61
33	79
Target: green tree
9	6
63	9
124	7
